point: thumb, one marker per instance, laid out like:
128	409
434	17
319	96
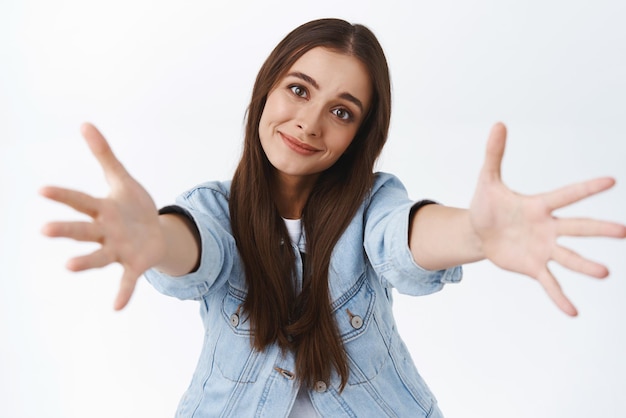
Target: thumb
494	152
127	287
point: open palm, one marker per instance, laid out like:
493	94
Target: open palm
125	222
519	233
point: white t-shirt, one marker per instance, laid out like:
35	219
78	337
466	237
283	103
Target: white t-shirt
302	407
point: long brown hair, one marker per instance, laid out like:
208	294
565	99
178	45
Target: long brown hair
304	323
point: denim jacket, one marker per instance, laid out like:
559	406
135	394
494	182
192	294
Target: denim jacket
370	258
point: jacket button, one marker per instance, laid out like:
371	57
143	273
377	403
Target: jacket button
234	320
356	322
285	373
320	387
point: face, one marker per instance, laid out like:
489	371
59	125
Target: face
314	111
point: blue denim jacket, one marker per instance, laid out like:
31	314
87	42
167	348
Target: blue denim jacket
370	258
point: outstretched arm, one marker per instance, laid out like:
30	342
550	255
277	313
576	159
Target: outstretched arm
125	224
516	232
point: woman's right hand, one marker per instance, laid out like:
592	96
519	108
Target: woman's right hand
125	223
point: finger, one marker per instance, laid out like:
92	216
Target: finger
79	231
554	291
575	192
590	228
494	152
79	201
127	287
113	168
96	259
573	261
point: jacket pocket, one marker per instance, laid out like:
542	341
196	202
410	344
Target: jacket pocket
234	355
365	346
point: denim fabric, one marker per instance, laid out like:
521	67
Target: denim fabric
370	258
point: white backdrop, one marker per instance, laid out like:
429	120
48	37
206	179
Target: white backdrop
168	83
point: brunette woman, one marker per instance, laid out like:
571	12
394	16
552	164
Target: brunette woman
294	260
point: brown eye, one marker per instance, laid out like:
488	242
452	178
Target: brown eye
298	90
342	114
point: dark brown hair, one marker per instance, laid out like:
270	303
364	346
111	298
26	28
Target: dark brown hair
304	323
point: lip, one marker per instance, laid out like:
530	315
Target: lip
297	145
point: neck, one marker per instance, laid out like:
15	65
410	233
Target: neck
291	194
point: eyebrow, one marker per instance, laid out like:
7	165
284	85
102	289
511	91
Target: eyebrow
311	81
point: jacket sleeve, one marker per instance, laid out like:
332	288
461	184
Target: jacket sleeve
207	207
386	241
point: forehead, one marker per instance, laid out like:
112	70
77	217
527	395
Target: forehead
335	72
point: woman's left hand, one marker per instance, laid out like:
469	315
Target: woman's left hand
519	233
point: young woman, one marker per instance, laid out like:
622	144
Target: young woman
294	260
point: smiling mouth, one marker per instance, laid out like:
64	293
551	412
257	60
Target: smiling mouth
297	146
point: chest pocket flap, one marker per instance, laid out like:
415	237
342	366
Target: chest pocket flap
234	355
356	320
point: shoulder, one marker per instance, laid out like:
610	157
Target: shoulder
210	196
387	195
386	183
218	188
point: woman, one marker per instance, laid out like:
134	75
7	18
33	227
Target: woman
293	262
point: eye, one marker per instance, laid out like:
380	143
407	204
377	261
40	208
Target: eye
342	114
298	90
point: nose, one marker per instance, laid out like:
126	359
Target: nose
310	121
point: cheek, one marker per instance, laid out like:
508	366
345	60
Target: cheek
346	140
265	123
275	109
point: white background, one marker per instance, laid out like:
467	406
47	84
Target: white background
168	83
